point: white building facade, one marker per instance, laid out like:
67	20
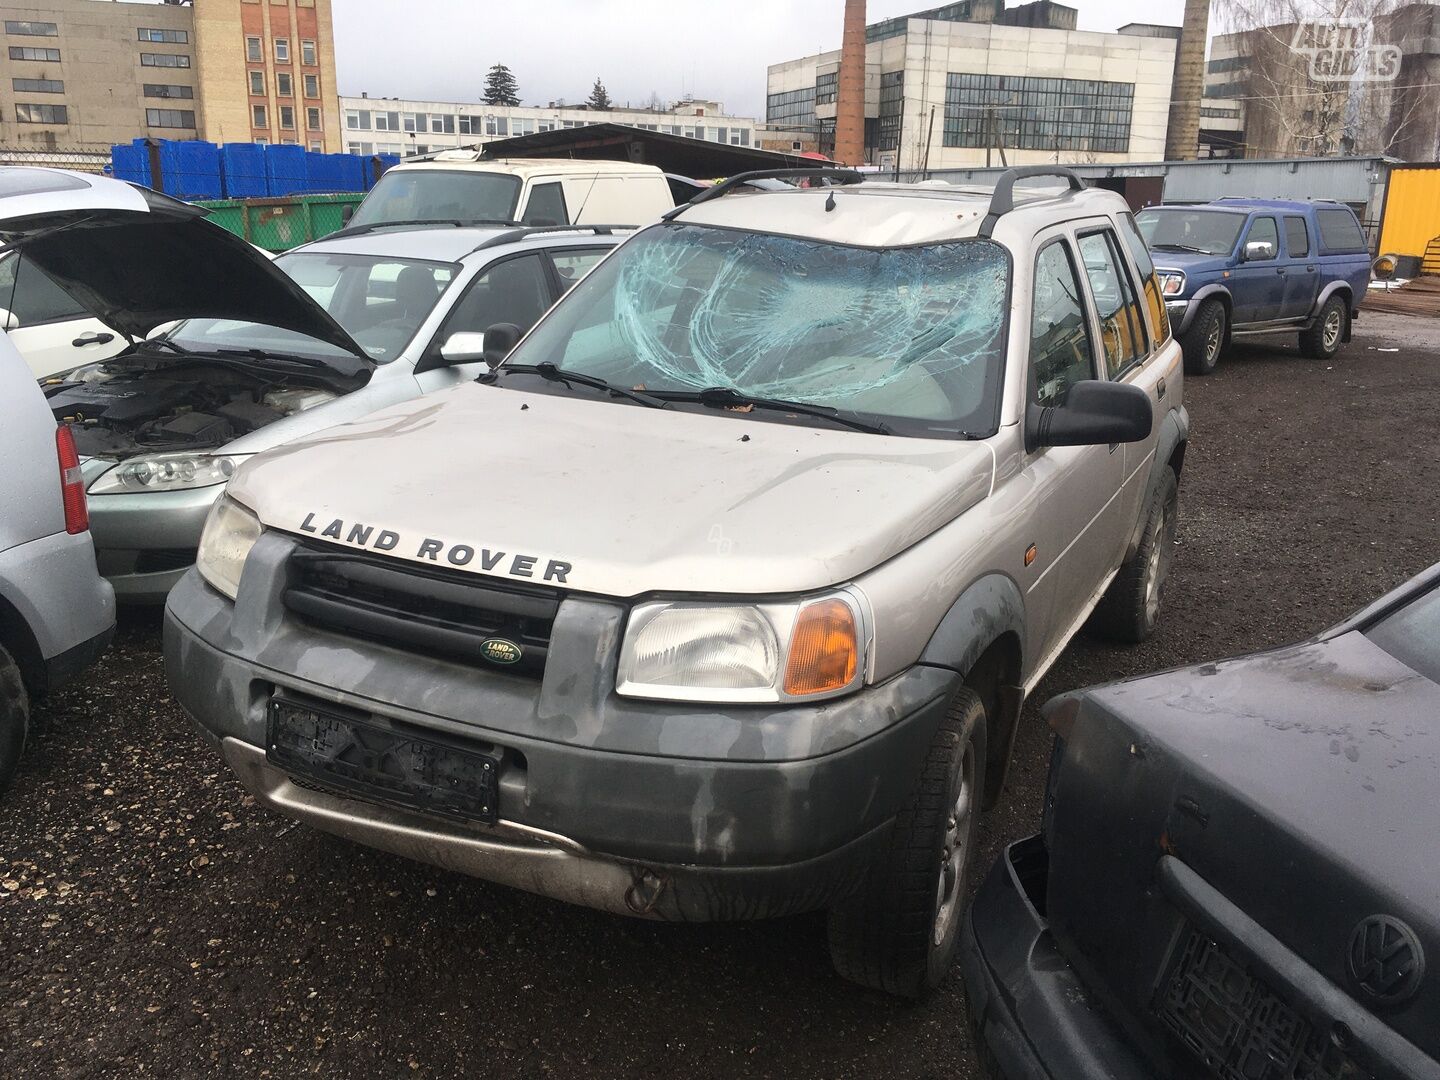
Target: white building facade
392	125
956	86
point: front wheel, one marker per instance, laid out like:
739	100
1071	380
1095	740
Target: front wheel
898	933
1204	342
1323	337
1130	607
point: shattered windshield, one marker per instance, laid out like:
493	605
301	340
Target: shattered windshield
913	336
1208	232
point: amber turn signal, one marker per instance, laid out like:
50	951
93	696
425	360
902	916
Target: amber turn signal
823	649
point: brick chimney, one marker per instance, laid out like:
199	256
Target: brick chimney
1182	135
850	88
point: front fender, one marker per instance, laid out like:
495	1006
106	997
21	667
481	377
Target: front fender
988	609
1201	295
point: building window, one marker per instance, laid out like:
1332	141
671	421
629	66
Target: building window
892	104
20	52
258	116
825	88
169	90
497	125
316	146
41	114
260	140
287	142
253	53
312	86
791	109
38	86
357	119
442	123
282	50
169	37
307	52
545	125
1036	113
360	148
287	117
312	119
520	127
284	84
170	60
412	121
257	83
170	118
387	121
31	29
739	137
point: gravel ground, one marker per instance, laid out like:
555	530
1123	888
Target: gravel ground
154	921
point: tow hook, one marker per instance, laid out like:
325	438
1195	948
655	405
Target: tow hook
645	892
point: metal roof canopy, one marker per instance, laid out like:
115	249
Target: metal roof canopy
622	142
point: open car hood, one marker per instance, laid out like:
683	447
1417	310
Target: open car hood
136	259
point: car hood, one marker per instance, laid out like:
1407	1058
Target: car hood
136	259
1191	262
628	500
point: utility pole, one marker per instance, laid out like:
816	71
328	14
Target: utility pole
850	88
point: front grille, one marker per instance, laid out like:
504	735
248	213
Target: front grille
1236	1026
432	612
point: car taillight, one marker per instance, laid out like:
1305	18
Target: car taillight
72	487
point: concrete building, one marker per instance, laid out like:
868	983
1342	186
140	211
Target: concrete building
968	82
88	73
392	125
1276	91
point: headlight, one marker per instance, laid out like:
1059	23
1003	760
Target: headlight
167	472
1172	282
695	651
230	533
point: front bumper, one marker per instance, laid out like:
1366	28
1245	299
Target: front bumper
1027	1004
690	812
145	542
1180	313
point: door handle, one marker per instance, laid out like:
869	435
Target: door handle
1160	389
1310	269
1280	270
93	339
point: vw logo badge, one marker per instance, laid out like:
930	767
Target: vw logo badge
1386	960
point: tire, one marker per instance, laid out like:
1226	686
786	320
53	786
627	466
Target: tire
1130	607
1204	343
1323	337
898	933
14	719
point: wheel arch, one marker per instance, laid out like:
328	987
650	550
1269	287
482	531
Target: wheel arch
19	641
981	638
1169	454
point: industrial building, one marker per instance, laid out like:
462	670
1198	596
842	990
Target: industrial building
80	73
975	82
393	125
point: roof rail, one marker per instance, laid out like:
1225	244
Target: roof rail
1003	201
510	236
833	174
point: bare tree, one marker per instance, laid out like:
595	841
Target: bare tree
1320	77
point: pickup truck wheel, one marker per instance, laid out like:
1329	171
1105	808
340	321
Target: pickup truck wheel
1130	607
1322	340
14	718
898	933
1204	342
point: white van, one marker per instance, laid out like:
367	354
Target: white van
456	187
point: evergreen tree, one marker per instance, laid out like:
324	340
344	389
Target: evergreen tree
501	87
599	96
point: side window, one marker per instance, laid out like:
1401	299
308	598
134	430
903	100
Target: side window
1060	354
1121	332
1339	231
1262	231
32	297
514	291
1297	237
546	206
574	263
1159	317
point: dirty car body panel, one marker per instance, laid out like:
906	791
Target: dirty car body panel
1254	839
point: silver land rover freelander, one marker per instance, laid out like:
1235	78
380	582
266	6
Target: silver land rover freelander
719	597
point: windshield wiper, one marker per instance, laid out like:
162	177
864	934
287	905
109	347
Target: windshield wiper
266	354
1181	247
725	397
161	343
550	373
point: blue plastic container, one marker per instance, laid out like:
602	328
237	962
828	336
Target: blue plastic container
243	170
190	169
285	170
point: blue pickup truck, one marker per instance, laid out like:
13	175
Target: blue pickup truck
1237	267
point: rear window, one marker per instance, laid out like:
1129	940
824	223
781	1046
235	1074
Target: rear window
1339	231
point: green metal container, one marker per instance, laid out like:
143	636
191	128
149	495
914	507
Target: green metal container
280	224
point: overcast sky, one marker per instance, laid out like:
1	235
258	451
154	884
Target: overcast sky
439	50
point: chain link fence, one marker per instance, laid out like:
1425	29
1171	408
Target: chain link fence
89	159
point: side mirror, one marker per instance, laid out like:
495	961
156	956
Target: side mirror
8	321
1094	412
346	213
499	340
1259	250
462	347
